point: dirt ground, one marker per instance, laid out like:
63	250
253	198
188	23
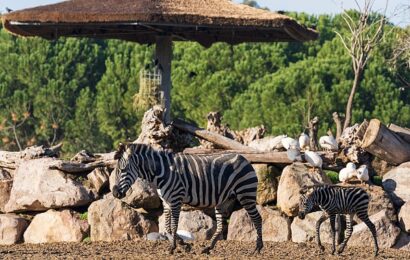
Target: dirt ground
158	250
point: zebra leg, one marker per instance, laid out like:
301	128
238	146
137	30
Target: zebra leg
250	207
175	211
365	218
167	212
349	231
220	222
333	227
318	224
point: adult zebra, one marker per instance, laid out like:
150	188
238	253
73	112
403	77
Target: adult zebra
198	180
334	200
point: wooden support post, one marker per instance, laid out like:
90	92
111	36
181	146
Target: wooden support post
164	56
385	144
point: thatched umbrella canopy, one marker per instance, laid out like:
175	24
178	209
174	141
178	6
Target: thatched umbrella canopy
157	21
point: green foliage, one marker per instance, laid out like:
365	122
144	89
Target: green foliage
377	180
333	176
81	91
84	216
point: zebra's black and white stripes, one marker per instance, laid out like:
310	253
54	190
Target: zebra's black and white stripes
334	200
198	180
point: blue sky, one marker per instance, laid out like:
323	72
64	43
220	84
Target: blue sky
309	6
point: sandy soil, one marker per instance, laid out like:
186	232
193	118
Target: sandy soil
158	250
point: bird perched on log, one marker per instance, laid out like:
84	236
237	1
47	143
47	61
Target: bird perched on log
363	173
288	142
313	159
293	154
347	173
304	141
328	142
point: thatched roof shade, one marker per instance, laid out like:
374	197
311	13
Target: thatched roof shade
204	21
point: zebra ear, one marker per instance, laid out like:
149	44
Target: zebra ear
120	151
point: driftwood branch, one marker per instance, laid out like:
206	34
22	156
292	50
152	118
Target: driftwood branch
212	137
10	158
74	167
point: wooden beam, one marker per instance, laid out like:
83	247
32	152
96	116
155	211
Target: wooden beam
212	137
267	157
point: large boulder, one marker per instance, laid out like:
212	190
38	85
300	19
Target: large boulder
111	219
56	226
142	194
37	188
387	232
397	184
6	183
404	217
274	226
12	228
268	179
293	178
196	222
305	230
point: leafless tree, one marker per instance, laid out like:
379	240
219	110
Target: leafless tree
365	33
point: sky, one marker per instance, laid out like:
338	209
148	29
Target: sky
395	11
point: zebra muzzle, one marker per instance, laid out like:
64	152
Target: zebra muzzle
116	193
301	215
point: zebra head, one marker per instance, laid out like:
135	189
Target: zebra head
134	161
306	202
123	180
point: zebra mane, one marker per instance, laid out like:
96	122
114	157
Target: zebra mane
133	147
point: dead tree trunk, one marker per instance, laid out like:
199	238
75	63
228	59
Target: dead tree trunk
338	122
313	129
385	144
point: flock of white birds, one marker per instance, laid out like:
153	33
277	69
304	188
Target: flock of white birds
327	143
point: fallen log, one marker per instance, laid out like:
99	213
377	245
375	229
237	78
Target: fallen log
29	153
385	144
212	137
267	157
74	167
403	132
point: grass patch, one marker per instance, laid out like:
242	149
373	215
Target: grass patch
84	216
87	240
377	180
333	176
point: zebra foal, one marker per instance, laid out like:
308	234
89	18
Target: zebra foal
334	200
204	181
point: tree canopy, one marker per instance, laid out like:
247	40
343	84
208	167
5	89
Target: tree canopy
80	91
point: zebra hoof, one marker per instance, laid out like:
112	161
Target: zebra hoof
206	250
171	250
322	248
187	248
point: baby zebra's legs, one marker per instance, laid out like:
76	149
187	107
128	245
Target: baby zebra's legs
220	225
365	218
250	207
318	223
333	228
349	231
